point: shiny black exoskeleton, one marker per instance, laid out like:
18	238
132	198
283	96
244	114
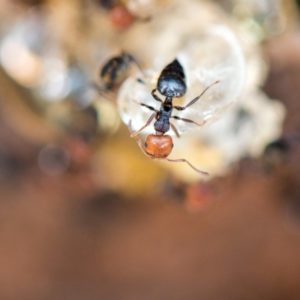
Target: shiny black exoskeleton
114	71
171	82
162	123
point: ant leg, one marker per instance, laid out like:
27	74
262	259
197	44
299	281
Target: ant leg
135	133
137	138
187	162
155	96
175	130
188	120
197	98
148	106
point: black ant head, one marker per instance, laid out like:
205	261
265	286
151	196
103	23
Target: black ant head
171	82
171	86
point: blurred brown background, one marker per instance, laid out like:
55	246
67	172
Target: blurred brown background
74	226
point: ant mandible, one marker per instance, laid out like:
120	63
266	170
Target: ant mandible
171	84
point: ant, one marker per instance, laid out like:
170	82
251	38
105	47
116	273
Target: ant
171	84
114	71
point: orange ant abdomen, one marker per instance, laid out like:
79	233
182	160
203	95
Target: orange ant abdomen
158	146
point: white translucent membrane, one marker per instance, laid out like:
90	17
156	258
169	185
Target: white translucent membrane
221	59
206	58
207	46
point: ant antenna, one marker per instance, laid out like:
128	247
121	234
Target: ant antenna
187	162
196	98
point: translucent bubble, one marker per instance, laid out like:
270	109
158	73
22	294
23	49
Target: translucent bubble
211	47
206	57
225	64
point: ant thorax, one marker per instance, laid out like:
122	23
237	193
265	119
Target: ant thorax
162	123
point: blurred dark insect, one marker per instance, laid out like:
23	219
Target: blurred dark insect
277	152
114	71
